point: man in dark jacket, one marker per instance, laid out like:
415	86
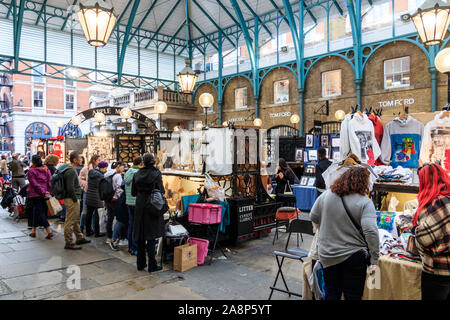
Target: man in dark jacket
147	226
93	201
72	196
321	167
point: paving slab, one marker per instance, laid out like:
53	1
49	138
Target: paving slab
34	281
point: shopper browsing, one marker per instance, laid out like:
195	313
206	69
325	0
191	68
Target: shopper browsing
321	166
17	171
284	176
348	234
83	180
93	201
115	174
432	221
72	195
38	192
131	203
4	168
147	228
51	161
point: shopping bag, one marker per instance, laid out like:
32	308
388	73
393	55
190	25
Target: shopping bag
214	191
54	207
103	219
185	257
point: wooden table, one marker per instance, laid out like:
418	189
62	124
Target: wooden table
381	189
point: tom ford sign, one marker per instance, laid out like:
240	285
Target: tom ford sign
280	115
396	103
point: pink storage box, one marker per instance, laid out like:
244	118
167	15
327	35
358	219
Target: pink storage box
202	248
205	213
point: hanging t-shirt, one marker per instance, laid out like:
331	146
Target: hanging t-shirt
361	139
436	141
401	142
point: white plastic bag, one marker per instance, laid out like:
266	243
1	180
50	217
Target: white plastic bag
102	218
177	229
214	191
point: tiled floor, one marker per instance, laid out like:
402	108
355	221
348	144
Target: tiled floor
41	269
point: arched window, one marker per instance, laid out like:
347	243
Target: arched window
70	131
38	130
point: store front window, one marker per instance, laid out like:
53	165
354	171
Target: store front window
331	83
240	96
38	99
70	101
36	137
281	91
397	73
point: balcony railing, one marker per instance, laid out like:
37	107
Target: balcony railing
142	98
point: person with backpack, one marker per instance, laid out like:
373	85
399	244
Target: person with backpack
148	223
72	196
83	180
93	201
131	203
110	192
17	171
38	192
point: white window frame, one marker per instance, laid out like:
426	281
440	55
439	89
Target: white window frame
235	98
37	76
43	99
65	80
74	101
402	72
324	93
274	86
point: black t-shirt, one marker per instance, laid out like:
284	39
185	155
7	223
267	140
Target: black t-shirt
321	167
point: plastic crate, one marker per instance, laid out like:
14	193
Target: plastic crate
202	249
205	213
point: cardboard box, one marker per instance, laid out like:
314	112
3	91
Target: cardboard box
185	257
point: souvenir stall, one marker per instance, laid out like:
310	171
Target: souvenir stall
56	146
196	164
76	144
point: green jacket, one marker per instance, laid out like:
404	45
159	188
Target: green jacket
128	179
71	184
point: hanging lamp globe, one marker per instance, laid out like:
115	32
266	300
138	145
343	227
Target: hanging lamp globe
225	124
187	78
339	115
59	124
76	120
125	113
97	20
206	100
442	60
99	117
257	122
160	107
431	21
294	119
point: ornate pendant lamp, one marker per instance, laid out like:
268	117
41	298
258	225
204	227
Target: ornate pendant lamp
97	20
431	21
187	78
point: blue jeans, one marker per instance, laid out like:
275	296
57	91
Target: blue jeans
132	244
119	231
84	210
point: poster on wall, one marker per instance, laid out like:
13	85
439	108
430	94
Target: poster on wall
103	146
309	141
240	98
281	91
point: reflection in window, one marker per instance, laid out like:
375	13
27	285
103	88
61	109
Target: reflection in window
331	83
240	97
38	72
396	73
70	101
281	91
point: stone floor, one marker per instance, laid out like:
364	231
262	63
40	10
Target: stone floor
36	268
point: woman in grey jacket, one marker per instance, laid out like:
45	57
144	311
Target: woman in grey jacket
348	234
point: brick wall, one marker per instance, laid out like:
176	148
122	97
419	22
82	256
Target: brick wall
372	90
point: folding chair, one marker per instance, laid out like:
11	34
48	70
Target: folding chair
282	217
295	226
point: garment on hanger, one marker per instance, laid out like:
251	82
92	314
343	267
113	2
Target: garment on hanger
344	144
379	131
335	170
401	142
436	141
359	138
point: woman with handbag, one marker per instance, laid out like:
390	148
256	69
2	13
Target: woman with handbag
348	234
93	201
432	236
38	192
148	226
284	177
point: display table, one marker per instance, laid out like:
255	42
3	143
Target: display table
399	280
396	187
305	196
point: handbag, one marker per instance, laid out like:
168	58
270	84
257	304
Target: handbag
157	204
358	228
